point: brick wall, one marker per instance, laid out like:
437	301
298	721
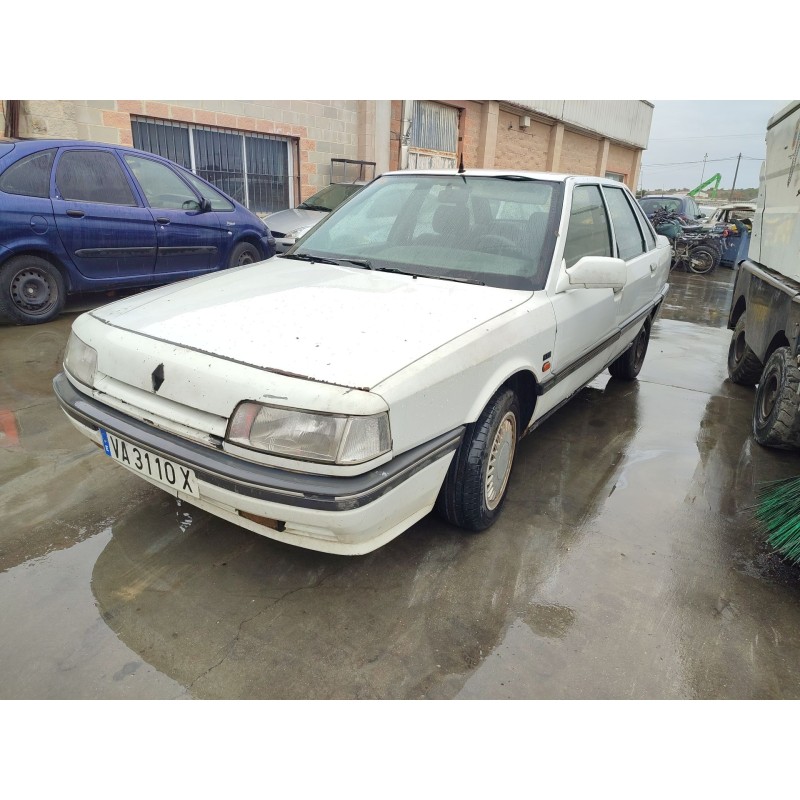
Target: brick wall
622	160
579	154
521	148
322	129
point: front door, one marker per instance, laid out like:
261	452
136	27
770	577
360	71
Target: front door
108	235
586	319
190	240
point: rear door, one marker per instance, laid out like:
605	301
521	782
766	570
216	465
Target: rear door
190	240
636	250
105	229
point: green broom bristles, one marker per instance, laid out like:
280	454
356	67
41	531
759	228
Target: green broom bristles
778	512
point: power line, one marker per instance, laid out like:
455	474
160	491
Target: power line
710	136
709	160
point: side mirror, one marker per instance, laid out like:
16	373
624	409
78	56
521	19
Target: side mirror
205	205
597	272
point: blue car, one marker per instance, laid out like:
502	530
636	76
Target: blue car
81	217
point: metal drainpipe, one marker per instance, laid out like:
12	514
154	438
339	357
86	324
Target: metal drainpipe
11	130
405	132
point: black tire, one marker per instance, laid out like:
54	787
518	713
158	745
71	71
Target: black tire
32	290
629	364
476	484
702	259
244	253
744	366
775	422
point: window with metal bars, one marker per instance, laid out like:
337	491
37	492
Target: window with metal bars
256	169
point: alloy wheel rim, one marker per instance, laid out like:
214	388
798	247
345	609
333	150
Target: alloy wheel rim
501	456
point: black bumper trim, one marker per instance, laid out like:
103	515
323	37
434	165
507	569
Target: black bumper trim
256	481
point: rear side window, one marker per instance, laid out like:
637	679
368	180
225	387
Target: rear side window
30	176
93	176
588	233
626	229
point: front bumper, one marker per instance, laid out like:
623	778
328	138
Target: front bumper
348	515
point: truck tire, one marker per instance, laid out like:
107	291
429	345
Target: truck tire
32	290
775	422
629	364
744	366
474	489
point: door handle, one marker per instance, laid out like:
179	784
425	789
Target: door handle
162	220
75	213
652	268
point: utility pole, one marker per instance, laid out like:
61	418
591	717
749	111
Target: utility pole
734	177
703	173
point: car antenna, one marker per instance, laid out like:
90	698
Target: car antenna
461	169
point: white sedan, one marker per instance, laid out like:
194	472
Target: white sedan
389	363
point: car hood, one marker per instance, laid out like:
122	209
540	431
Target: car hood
342	325
291	218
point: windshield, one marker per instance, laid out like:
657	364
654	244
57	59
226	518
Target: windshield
494	230
331	196
653	204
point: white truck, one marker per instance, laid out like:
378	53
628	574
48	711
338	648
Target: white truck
765	306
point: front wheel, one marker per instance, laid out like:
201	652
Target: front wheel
629	364
475	487
701	259
243	253
775	420
31	290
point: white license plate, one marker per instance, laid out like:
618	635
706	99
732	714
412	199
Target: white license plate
160	469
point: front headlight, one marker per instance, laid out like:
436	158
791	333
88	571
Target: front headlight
327	438
298	232
80	360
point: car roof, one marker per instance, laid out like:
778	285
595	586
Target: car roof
494	173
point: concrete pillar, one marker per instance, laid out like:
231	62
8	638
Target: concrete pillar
487	144
602	157
554	147
633	177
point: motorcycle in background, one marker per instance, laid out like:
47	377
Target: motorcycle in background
696	250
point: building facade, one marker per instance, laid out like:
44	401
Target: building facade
272	154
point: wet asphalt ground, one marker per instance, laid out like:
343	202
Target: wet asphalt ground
626	563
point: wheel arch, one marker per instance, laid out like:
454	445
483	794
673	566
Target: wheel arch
525	385
39	253
778	340
738	309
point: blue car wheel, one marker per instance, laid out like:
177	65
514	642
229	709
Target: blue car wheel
31	290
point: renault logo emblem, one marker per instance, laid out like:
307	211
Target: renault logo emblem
158	377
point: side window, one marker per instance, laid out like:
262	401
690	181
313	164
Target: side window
161	186
218	202
30	176
647	229
93	176
630	242
588	233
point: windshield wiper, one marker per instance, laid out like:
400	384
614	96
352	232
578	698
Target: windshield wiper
307	257
359	262
313	207
433	277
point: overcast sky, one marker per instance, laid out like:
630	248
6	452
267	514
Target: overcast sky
687	130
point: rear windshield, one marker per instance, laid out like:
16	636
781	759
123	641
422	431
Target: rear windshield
653	204
499	231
